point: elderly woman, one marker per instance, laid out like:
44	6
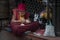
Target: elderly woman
20	22
20	14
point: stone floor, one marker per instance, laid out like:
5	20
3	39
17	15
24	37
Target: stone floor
9	36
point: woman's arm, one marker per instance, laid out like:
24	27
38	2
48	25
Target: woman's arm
14	20
14	16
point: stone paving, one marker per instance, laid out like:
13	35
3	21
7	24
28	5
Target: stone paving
4	35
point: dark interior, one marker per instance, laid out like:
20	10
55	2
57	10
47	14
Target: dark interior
6	7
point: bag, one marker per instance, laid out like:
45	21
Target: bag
49	31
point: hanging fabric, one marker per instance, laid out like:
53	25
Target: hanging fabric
49	30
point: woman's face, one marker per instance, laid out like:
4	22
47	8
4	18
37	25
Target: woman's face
22	12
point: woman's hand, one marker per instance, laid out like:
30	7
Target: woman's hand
28	21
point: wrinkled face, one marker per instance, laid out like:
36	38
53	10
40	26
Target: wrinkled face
22	13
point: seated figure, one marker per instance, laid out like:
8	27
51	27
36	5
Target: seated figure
20	16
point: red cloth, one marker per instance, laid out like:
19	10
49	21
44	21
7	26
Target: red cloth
17	29
40	31
27	15
22	7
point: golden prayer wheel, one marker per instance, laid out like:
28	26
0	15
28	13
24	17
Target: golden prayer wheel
44	14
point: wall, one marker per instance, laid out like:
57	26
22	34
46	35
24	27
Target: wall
3	12
57	18
3	9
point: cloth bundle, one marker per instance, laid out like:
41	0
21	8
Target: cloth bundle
49	31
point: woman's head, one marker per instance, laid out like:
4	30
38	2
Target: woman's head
21	8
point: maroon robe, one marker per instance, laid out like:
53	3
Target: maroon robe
18	29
